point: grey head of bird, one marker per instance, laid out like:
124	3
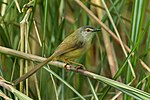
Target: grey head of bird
87	32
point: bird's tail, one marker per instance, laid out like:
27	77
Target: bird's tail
32	71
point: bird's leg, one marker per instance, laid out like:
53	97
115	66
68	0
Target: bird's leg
80	66
67	63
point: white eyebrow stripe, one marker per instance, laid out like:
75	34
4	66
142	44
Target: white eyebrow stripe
88	29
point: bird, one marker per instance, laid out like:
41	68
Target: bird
71	48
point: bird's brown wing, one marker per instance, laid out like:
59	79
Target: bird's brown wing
68	45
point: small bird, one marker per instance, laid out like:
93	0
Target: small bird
71	48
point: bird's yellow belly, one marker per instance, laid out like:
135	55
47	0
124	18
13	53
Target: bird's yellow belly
72	54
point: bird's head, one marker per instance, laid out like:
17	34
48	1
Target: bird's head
87	32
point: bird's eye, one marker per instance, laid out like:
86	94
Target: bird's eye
87	29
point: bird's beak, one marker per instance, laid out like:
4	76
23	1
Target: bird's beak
96	30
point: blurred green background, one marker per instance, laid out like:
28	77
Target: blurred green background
56	19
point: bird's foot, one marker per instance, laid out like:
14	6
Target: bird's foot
66	66
79	67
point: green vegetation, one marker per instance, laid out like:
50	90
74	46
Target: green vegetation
117	64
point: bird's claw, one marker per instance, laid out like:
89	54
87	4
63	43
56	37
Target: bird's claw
66	66
79	67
